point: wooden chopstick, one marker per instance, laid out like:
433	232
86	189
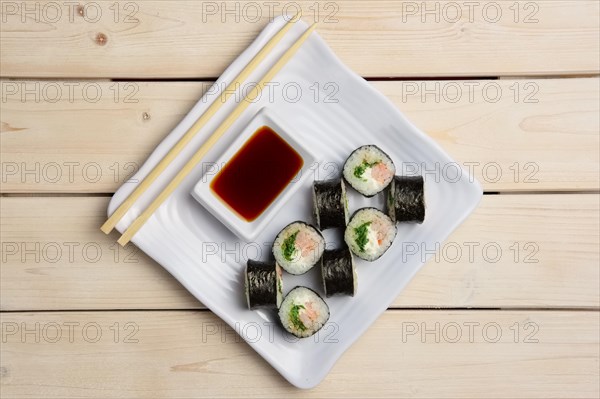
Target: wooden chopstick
197	157
191	132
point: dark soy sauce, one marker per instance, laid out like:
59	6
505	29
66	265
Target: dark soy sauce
257	174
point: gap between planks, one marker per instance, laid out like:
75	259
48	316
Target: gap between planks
368	79
110	194
391	309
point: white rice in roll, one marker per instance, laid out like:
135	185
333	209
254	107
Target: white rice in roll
303	312
370	233
298	247
369	170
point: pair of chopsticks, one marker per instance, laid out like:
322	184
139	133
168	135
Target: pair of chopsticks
207	145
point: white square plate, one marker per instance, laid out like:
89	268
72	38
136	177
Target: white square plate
248	231
334	111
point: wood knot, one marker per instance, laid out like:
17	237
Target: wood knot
101	39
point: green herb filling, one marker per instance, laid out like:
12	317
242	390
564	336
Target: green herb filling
289	246
362	232
295	317
360	170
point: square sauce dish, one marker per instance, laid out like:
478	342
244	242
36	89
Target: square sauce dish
256	175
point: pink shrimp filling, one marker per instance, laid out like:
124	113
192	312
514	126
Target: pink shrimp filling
305	243
380	228
308	315
381	173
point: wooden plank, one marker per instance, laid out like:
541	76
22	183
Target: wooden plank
191	354
514	251
515	135
184	39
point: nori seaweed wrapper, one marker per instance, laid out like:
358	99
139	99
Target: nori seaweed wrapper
337	269
406	199
330	203
262	284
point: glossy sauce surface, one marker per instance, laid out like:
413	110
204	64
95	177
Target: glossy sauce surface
256	175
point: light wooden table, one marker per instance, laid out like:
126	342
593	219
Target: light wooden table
510	307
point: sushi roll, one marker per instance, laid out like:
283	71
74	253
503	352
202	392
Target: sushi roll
303	312
369	170
406	199
330	203
337	270
370	233
298	247
264	286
